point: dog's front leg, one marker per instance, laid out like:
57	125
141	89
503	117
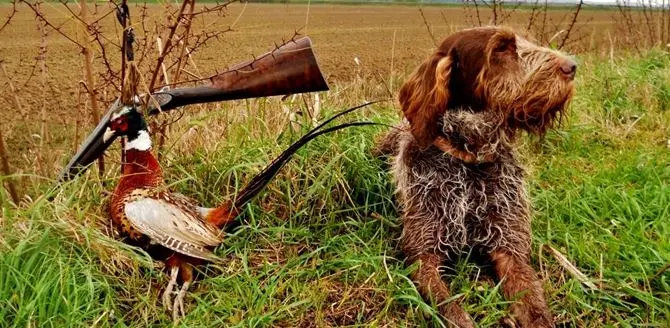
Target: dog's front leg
520	282
432	287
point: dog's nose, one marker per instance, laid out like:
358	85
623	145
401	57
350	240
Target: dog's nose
569	68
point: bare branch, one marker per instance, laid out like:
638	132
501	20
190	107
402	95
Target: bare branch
430	31
7	171
10	16
571	26
168	45
218	8
40	16
533	15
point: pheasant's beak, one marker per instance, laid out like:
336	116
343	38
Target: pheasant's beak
95	145
108	135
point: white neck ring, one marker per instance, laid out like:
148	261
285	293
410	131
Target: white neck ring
142	142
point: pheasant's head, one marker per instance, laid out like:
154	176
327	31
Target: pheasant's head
128	122
120	121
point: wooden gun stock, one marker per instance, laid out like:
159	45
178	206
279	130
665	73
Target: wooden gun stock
289	69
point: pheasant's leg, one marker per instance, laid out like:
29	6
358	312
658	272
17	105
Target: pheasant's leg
179	301
174	273
187	279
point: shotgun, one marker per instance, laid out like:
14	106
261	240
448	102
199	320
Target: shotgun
289	69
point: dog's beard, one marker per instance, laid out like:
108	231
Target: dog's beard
541	100
540	106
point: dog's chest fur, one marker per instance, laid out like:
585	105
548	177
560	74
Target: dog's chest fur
451	207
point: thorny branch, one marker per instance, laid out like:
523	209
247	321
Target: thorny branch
575	14
10	16
168	44
430	31
479	19
184	20
38	14
533	15
566	29
89	26
219	8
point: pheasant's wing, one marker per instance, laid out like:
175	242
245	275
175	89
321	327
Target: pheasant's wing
175	225
203	211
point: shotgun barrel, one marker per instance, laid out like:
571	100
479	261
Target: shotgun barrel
289	69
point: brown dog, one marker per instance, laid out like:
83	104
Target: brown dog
460	185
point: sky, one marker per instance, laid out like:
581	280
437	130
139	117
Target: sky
600	1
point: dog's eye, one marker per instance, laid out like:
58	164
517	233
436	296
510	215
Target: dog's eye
506	46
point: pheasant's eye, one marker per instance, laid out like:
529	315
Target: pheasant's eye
120	124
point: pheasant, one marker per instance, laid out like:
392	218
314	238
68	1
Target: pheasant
171	226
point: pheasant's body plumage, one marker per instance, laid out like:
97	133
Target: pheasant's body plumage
171	220
141	171
144	210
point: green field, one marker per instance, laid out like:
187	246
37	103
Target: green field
319	246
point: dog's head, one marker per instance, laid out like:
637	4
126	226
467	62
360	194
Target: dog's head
488	68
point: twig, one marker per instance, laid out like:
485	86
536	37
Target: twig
6	169
81	107
159	47
168	45
495	12
89	26
533	14
425	22
183	43
190	58
545	10
90	81
479	18
218	8
508	13
162	127
42	60
40	16
10	16
572	24
574	272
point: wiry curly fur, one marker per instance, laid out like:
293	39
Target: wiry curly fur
459	182
453	206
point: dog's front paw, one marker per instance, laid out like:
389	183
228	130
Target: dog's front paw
456	317
533	318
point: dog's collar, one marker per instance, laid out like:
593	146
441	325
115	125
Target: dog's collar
468	157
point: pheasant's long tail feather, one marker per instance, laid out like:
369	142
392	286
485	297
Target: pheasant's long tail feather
224	216
258	182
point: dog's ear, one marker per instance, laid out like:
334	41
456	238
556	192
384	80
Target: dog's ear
501	46
501	64
425	95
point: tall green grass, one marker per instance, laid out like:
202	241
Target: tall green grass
319	246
